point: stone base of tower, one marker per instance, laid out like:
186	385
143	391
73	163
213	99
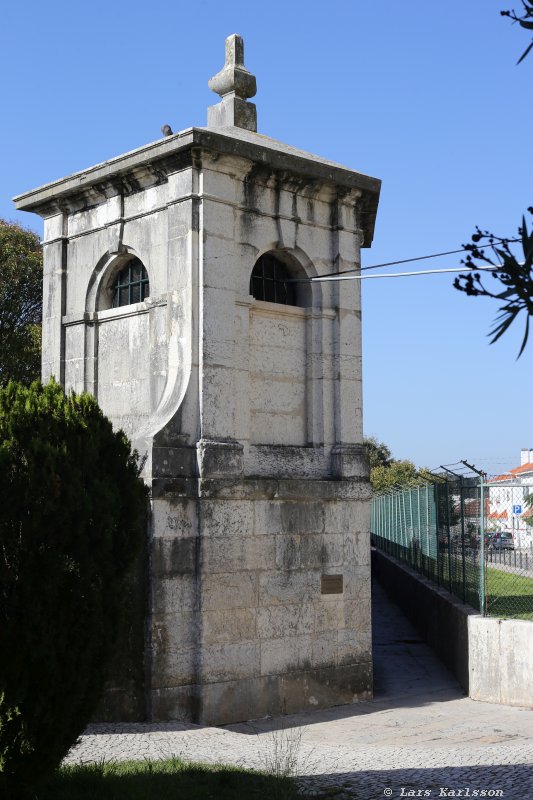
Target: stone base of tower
250	698
260	597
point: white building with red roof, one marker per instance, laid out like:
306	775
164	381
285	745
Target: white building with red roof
508	510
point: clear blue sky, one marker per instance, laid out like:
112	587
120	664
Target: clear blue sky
426	96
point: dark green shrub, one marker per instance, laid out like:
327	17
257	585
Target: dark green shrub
72	520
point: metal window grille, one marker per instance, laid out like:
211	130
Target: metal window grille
132	284
269	282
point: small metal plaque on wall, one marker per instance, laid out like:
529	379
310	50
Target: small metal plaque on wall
331	584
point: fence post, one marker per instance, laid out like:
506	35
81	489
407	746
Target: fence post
482	546
449	536
418	512
411	526
463	555
397	531
427	516
387	505
408	542
438	559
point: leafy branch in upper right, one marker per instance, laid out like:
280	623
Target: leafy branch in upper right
525	21
515	276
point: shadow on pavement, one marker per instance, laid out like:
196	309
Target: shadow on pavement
495	780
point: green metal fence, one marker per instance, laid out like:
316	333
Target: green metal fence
435	529
472	537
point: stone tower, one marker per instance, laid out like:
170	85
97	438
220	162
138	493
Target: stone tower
180	289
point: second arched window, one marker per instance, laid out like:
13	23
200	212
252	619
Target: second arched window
270	281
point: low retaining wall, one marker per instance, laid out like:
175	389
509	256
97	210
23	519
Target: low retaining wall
501	660
491	658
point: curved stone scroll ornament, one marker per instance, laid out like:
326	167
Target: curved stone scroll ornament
179	357
178	366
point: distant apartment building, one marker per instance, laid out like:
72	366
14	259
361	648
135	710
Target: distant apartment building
508	510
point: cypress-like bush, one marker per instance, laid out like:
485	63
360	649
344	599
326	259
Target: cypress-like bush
72	520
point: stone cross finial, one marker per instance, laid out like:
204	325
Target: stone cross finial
234	84
235	50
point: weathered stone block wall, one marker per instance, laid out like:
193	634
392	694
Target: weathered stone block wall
278	392
238	608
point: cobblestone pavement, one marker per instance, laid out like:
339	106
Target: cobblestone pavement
419	734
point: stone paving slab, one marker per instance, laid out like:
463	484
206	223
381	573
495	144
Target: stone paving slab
420	733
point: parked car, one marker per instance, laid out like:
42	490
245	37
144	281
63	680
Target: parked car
501	541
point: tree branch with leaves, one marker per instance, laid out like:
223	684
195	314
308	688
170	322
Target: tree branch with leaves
516	277
21	281
391	473
525	20
494	254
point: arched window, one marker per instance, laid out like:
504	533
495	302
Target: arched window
269	281
131	284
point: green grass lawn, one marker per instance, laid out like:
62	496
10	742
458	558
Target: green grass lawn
172	779
509	595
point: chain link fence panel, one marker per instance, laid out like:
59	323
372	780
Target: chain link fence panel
508	539
435	529
472	537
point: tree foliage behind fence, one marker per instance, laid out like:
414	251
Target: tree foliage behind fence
474	539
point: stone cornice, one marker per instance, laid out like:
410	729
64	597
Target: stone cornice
153	163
